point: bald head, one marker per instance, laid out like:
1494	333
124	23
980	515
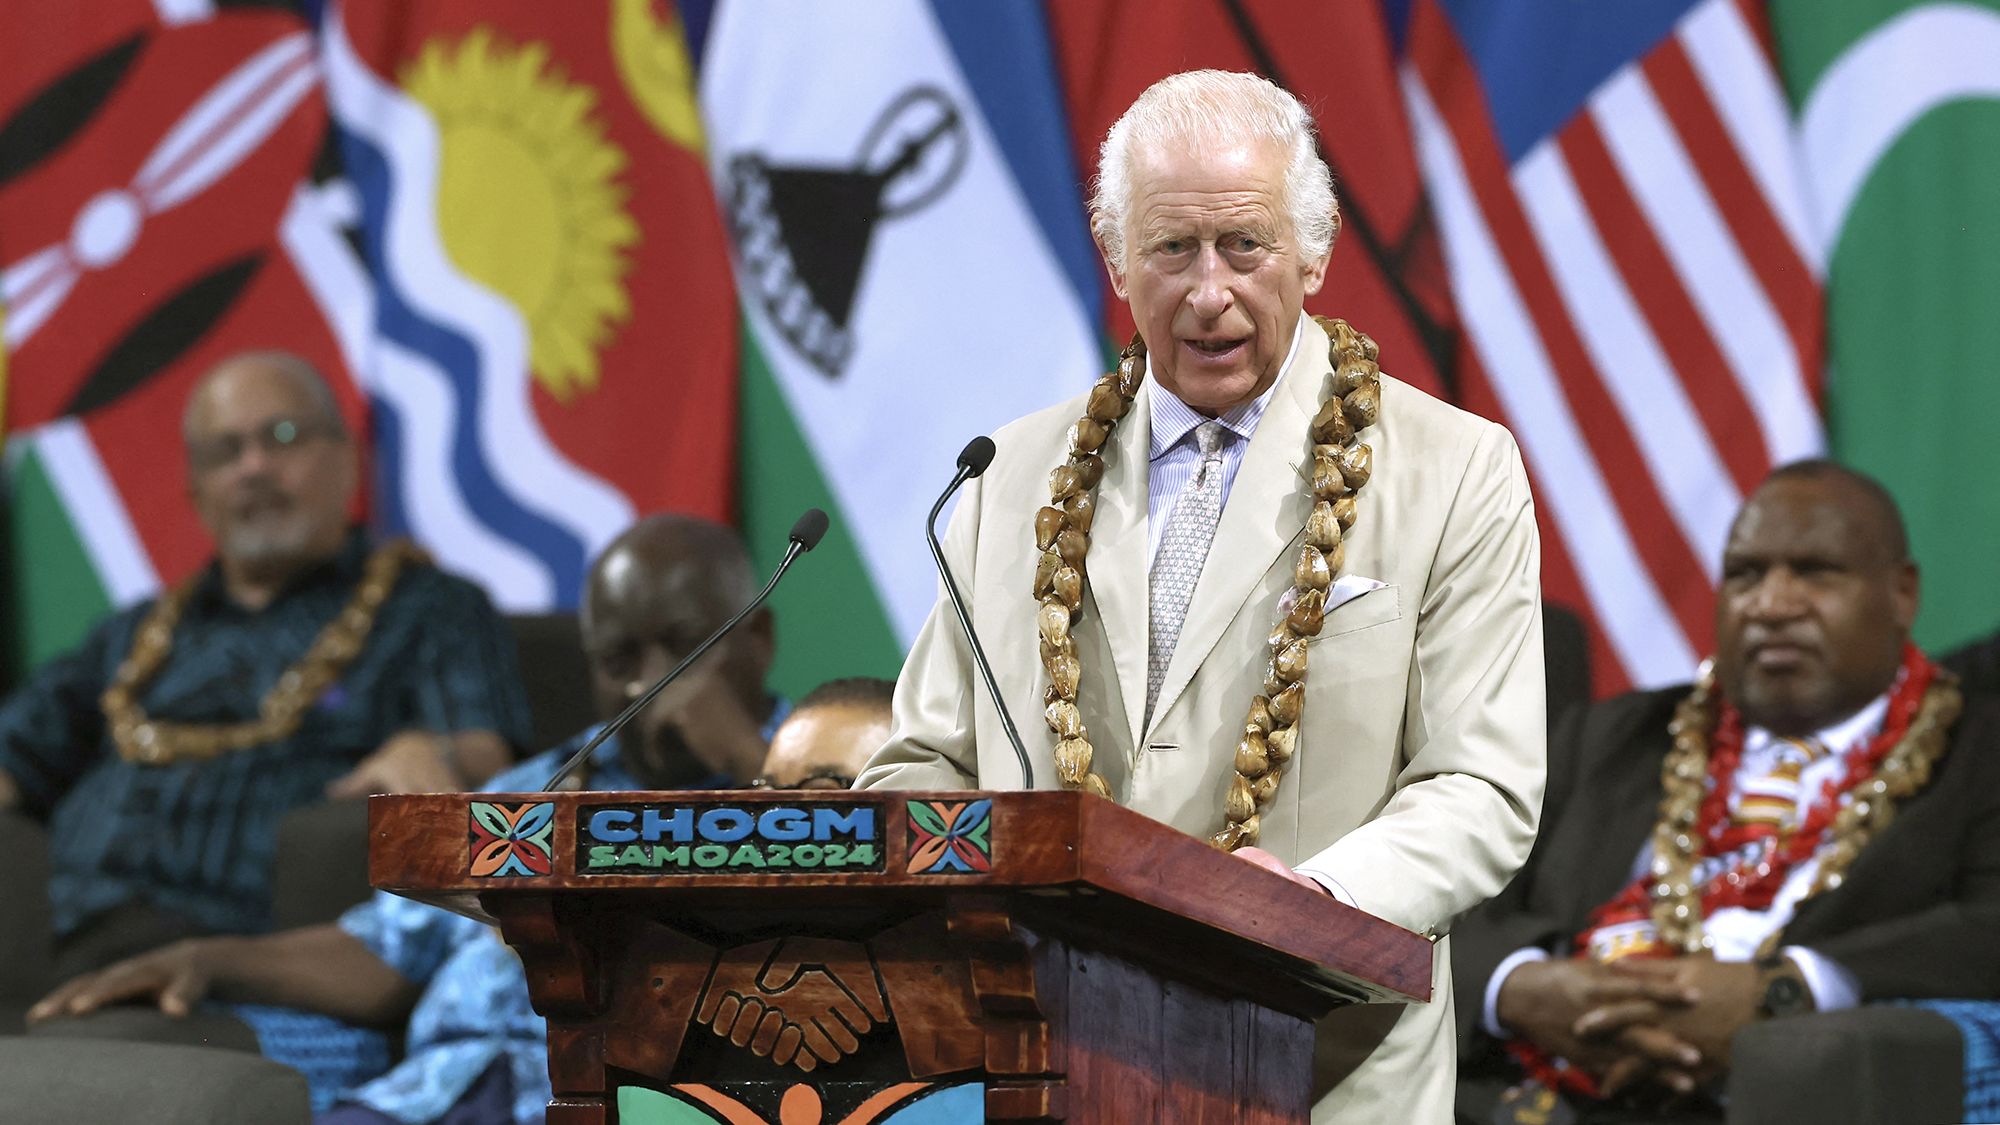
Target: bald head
1873	515
675	558
312	393
830	735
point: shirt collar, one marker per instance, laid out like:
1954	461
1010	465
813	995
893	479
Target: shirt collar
1173	420
1838	738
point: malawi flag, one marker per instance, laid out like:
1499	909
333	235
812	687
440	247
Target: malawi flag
1898	109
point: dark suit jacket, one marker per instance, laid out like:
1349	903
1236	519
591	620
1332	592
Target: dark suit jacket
1977	665
1917	916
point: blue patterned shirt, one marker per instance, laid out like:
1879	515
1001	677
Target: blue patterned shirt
197	838
474	1010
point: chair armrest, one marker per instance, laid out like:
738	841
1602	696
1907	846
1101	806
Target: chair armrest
1877	1063
321	867
26	973
68	1080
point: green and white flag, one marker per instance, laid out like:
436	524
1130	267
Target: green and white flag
913	271
1899	124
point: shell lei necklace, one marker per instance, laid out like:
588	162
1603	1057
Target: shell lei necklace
1351	402
1696	778
152	742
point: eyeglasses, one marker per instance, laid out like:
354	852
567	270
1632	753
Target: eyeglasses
822	778
277	436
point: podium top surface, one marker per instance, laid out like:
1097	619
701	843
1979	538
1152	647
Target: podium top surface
1082	860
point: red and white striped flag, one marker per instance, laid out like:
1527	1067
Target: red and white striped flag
1638	284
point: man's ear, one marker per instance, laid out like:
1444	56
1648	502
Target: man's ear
1903	595
762	633
1315	275
1111	267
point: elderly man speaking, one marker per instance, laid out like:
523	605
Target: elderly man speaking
1280	600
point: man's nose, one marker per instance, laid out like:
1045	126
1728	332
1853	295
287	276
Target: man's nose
1211	296
655	662
253	461
1778	596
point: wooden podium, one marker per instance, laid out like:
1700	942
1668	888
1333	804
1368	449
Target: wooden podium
910	958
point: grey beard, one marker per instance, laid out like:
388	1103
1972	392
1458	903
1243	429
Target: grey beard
278	541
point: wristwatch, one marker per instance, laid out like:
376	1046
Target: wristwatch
1785	991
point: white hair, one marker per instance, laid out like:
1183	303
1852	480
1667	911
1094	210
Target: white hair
1207	107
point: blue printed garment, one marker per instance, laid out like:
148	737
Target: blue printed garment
1979	1025
474	1009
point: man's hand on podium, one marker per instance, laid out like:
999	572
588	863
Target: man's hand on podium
1269	862
789	995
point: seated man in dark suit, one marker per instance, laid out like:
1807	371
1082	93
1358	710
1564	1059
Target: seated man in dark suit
303	661
1814	825
475	1050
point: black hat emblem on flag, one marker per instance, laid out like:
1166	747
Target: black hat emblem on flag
802	232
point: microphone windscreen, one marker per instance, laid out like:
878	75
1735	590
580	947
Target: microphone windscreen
977	454
809	529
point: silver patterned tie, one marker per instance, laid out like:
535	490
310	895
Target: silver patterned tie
1183	548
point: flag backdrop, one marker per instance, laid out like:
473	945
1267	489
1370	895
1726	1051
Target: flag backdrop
914	271
149	157
741	258
1899	135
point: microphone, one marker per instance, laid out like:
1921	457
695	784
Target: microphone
806	534
978	454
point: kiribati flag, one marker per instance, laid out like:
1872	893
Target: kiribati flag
540	310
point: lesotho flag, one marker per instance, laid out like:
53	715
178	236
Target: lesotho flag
530	278
914	269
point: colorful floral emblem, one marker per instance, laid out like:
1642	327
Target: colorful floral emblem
512	839
951	837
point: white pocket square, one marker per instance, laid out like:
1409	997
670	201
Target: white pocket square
1344	589
1348	587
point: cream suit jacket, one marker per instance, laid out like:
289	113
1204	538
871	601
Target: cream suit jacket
1417	780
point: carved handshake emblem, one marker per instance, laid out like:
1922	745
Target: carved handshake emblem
803	1001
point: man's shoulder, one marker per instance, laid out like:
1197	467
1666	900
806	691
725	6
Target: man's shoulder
1030	446
1642	703
1610	726
1435	423
1977	728
531	773
425	584
1048	425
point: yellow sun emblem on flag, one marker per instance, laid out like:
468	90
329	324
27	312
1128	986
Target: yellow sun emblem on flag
529	202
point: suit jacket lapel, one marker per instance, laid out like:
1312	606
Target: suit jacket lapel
1266	510
1118	555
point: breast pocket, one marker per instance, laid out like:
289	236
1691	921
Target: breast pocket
1364	611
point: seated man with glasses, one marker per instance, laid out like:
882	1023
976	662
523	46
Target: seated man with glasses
474	1048
829	735
303	662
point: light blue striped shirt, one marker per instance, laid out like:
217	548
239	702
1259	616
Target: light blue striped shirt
1175	456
